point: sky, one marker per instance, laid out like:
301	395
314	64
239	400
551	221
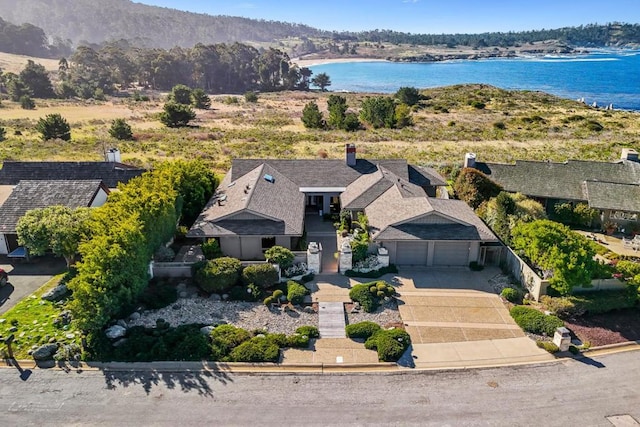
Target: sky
421	16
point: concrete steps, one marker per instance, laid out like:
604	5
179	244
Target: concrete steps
331	320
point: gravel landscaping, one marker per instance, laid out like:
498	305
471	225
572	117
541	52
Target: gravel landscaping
246	315
386	314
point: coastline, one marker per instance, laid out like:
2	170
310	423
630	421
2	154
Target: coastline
322	61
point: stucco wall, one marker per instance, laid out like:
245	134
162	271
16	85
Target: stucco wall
525	274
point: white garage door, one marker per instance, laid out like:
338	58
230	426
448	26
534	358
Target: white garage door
412	253
451	253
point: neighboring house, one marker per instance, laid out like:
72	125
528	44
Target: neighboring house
613	188
263	202
30	185
28	195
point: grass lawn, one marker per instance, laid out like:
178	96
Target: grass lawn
33	320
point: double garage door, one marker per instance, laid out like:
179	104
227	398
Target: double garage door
444	253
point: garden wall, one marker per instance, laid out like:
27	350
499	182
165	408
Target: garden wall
171	269
536	285
602	285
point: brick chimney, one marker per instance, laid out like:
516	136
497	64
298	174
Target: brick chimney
351	154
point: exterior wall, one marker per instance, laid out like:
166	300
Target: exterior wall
474	252
100	199
171	269
230	246
525	274
3	245
251	248
392	248
284	241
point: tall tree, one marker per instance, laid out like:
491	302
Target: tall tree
337	106
54	126
312	117
177	115
379	112
322	81
36	78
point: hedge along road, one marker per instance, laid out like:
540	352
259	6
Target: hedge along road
564	393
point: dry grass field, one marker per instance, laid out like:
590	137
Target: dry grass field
497	125
15	63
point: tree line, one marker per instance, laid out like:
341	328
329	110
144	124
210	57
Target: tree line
27	39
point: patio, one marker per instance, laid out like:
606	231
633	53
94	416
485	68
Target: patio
616	243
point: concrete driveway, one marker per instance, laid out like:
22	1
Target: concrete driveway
25	278
455	318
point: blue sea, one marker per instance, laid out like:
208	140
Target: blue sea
602	76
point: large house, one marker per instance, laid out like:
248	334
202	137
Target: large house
264	202
613	188
30	185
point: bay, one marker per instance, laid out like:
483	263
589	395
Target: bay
602	76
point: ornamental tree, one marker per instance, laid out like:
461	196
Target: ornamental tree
176	115
474	187
121	130
58	229
563	256
54	126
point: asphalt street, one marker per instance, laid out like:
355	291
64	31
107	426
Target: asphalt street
563	393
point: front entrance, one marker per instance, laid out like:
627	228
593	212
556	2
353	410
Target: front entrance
314	204
321	231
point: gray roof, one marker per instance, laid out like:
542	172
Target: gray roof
391	214
366	189
111	173
614	196
29	195
425	176
559	180
279	205
321	172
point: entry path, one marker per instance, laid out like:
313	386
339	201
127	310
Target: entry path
331	320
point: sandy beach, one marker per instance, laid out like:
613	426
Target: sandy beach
322	61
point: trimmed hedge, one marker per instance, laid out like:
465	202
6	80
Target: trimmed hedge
262	275
534	321
280	255
390	344
218	275
225	338
374	274
296	292
370	294
310	331
511	295
257	349
364	329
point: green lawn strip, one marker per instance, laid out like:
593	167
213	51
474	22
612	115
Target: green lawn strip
33	319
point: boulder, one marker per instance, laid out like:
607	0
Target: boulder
215	298
134	316
56	293
115	332
45	352
225	297
122	323
309	309
206	330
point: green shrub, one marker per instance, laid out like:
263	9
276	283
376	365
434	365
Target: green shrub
360	249
251	97
298	341
548	346
511	295
269	300
280	255
362	294
218	275
164	254
211	249
374	274
574	350
534	321
225	338
307	278
262	275
560	306
120	130
257	349
594	126
26	103
310	331
364	329
390	344
277	293
599	302
296	292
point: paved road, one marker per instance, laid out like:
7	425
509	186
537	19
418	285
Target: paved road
559	394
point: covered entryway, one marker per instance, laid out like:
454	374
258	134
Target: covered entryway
451	253
321	231
412	253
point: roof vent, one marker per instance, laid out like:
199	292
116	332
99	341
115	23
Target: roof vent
269	178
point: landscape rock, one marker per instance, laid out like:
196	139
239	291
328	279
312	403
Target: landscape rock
13	329
309	309
183	294
225	297
56	293
115	332
206	330
122	323
63	318
45	352
215	297
134	316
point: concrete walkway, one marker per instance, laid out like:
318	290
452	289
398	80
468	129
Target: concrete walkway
331	320
331	351
323	232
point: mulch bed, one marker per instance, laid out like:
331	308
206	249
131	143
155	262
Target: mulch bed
610	328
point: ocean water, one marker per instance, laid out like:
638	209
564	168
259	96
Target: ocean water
603	76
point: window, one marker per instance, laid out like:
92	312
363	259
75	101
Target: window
268	242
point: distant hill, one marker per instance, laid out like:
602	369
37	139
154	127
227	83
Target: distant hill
151	26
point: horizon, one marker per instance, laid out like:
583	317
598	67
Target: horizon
421	16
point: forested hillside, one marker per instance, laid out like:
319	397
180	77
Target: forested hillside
95	22
27	39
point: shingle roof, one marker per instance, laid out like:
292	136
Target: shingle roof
425	176
559	180
321	172
29	195
280	203
614	196
390	215
363	191
111	173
